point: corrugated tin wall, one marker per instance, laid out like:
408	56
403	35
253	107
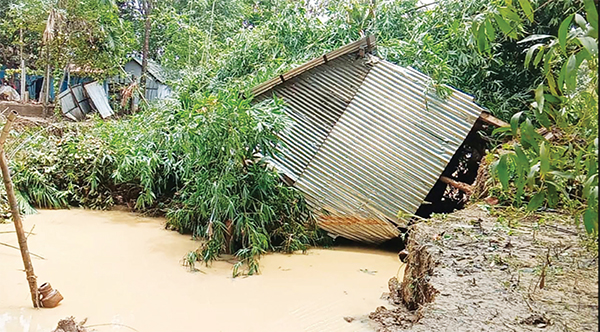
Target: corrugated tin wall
315	100
386	151
369	139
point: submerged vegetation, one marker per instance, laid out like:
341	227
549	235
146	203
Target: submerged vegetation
198	158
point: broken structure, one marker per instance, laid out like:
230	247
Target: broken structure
369	139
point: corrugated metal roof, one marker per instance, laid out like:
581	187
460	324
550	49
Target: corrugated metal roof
315	100
154	69
384	150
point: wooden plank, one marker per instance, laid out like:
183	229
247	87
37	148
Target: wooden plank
466	188
490	119
368	41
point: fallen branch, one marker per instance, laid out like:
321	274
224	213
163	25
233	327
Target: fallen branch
9	232
15	247
32	227
112	324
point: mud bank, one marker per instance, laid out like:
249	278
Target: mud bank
497	271
117	267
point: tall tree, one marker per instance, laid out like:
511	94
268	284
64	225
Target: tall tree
147	27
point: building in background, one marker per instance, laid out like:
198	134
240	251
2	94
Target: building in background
156	84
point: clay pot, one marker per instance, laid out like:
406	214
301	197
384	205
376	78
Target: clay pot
48	296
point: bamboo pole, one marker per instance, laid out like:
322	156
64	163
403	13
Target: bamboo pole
16	216
23	71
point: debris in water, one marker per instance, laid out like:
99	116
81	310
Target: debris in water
69	325
368	272
402	255
392	320
49	297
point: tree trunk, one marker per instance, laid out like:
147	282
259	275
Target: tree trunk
23	71
147	27
16	216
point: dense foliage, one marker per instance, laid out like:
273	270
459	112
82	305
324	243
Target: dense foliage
559	170
197	157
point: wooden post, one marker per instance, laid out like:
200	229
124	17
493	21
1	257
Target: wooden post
23	71
466	188
16	216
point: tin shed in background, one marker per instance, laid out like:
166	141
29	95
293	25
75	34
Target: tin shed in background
156	87
369	138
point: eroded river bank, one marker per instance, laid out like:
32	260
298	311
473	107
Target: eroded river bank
118	268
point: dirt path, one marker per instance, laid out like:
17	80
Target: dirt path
503	272
116	267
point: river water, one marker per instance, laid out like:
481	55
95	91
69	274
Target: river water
119	268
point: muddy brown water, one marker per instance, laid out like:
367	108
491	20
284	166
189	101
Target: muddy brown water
115	267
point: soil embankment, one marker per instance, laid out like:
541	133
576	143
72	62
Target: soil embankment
497	272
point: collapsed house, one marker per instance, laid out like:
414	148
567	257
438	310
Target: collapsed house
369	139
81	94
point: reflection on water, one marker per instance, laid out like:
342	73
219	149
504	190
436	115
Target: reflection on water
116	267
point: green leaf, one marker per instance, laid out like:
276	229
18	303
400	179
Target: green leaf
538	57
514	123
534	37
552	196
529	137
482	43
544	159
509	14
536	201
590	44
526	6
562	175
490	31
580	21
500	130
547	62
562	75
531	175
530	52
592	13
502	171
562	32
522	160
539	97
571	73
505	27
593	196
552	83
588	185
590	221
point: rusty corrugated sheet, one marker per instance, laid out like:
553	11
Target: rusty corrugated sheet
315	100
379	151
